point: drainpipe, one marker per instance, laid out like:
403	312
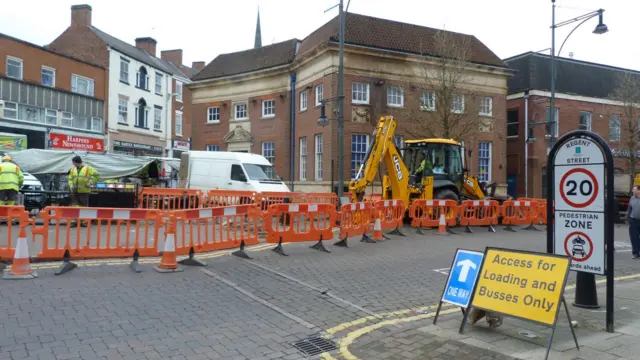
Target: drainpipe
526	144
292	155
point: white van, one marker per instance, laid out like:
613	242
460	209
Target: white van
206	170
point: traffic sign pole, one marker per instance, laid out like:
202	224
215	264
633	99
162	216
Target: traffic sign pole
586	293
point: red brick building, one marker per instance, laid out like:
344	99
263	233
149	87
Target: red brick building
267	99
584	100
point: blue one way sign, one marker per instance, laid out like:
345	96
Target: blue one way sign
462	277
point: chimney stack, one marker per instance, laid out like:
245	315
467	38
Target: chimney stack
197	65
81	15
147	44
172	56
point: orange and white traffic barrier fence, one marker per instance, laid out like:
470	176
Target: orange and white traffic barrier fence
170	199
427	214
516	212
9	215
119	233
217	197
268	198
306	222
319	198
21	265
479	213
541	213
391	215
169	261
355	220
216	228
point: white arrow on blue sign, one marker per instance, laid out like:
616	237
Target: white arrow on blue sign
462	277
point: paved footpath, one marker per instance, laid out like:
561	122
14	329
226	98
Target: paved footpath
368	296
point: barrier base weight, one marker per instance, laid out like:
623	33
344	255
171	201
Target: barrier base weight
420	232
242	254
491	229
279	249
342	243
397	232
468	230
367	239
191	261
163	270
532	228
66	267
319	246
135	266
509	228
3	266
9	276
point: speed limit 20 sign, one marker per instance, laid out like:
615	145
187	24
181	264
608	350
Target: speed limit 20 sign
580	187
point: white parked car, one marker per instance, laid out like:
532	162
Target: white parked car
35	199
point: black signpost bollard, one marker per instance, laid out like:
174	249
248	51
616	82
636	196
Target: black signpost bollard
586	292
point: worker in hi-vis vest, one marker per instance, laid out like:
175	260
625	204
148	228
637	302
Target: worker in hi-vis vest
81	179
11	180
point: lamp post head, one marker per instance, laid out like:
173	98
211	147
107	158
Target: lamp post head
601	28
322	120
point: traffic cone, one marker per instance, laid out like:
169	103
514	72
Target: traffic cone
442	226
377	231
21	267
169	262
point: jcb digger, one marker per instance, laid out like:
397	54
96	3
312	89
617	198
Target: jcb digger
429	169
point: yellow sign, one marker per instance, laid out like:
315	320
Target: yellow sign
521	284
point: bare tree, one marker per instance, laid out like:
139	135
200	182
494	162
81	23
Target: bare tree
439	88
627	91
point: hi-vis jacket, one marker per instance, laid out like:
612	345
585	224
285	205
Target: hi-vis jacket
11	177
80	180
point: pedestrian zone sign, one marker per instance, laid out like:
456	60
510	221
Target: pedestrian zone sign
462	277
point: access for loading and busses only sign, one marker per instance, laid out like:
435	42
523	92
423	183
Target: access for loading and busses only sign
579	204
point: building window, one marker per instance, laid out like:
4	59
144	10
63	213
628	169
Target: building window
484	161
213	115
178	123
142	115
614	128
66	119
303	158
14	68
10	110
428	101
48	76
318	158
359	145
269	152
319	94
212	148
585	120
395	96
457	104
123	111
158	83
486	106
81	85
240	111
513	123
359	93
51	117
157	118
179	91
268	108
124	70
96	124
549	129
303	100
142	78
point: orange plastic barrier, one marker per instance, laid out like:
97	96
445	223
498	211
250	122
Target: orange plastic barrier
355	219
391	215
269	198
518	213
9	214
318	198
218	228
218	197
479	213
169	199
542	209
301	222
116	233
426	213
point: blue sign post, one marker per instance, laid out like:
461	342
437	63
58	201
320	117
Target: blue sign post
462	279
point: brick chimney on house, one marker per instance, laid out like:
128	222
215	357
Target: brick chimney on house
147	44
197	65
81	15
172	56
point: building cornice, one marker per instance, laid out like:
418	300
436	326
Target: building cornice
541	93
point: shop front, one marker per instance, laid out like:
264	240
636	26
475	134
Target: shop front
73	142
136	149
179	147
35	139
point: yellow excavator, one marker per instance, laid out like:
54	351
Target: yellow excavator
429	169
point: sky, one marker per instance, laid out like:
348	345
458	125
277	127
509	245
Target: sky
207	28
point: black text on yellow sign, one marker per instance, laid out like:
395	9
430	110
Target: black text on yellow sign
521	284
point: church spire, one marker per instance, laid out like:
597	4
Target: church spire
258	41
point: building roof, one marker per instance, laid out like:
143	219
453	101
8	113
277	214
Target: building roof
261	58
391	35
533	72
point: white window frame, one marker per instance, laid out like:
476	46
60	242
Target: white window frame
123	108
617	133
53	75
428	101
212	148
486	106
178	124
359	93
265	108
18	60
319	94
90	84
99	129
395	93
271	158
66	116
178	91
157	119
457	100
51	114
158	84
589	118
235	111
489	160
303	158
124	73
354	171
213	116
304	97
516	123
318	145
10	107
145	121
